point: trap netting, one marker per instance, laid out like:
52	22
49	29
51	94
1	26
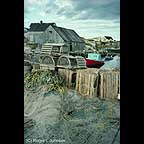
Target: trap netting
72	118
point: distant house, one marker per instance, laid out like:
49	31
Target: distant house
108	38
103	39
108	41
50	33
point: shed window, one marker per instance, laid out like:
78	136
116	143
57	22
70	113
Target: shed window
70	47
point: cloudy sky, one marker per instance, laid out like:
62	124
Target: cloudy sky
89	18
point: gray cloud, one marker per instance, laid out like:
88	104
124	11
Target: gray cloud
29	4
99	9
88	9
51	7
117	21
26	7
67	13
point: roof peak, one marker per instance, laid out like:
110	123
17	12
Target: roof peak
40	26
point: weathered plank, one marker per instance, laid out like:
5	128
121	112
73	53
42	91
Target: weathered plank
67	74
87	82
109	84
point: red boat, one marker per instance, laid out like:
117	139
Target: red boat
94	61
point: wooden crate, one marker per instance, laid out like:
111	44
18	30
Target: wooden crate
87	82
109	84
97	83
46	67
68	75
36	66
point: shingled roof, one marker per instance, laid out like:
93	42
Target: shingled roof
38	27
68	34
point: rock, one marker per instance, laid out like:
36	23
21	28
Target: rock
112	65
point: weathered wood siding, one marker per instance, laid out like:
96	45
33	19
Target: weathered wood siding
53	36
37	37
78	46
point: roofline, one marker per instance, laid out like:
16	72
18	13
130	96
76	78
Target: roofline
58	32
55	44
48	24
35	31
82	41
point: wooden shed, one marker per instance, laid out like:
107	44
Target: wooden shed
41	33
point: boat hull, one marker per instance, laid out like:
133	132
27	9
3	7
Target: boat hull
93	63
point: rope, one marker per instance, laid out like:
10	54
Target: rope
115	135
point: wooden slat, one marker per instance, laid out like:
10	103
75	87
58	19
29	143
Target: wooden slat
91	85
101	87
109	84
108	81
119	83
113	84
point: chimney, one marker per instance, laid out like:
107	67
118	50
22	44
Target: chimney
53	24
41	22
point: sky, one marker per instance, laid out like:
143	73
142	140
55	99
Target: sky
89	18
